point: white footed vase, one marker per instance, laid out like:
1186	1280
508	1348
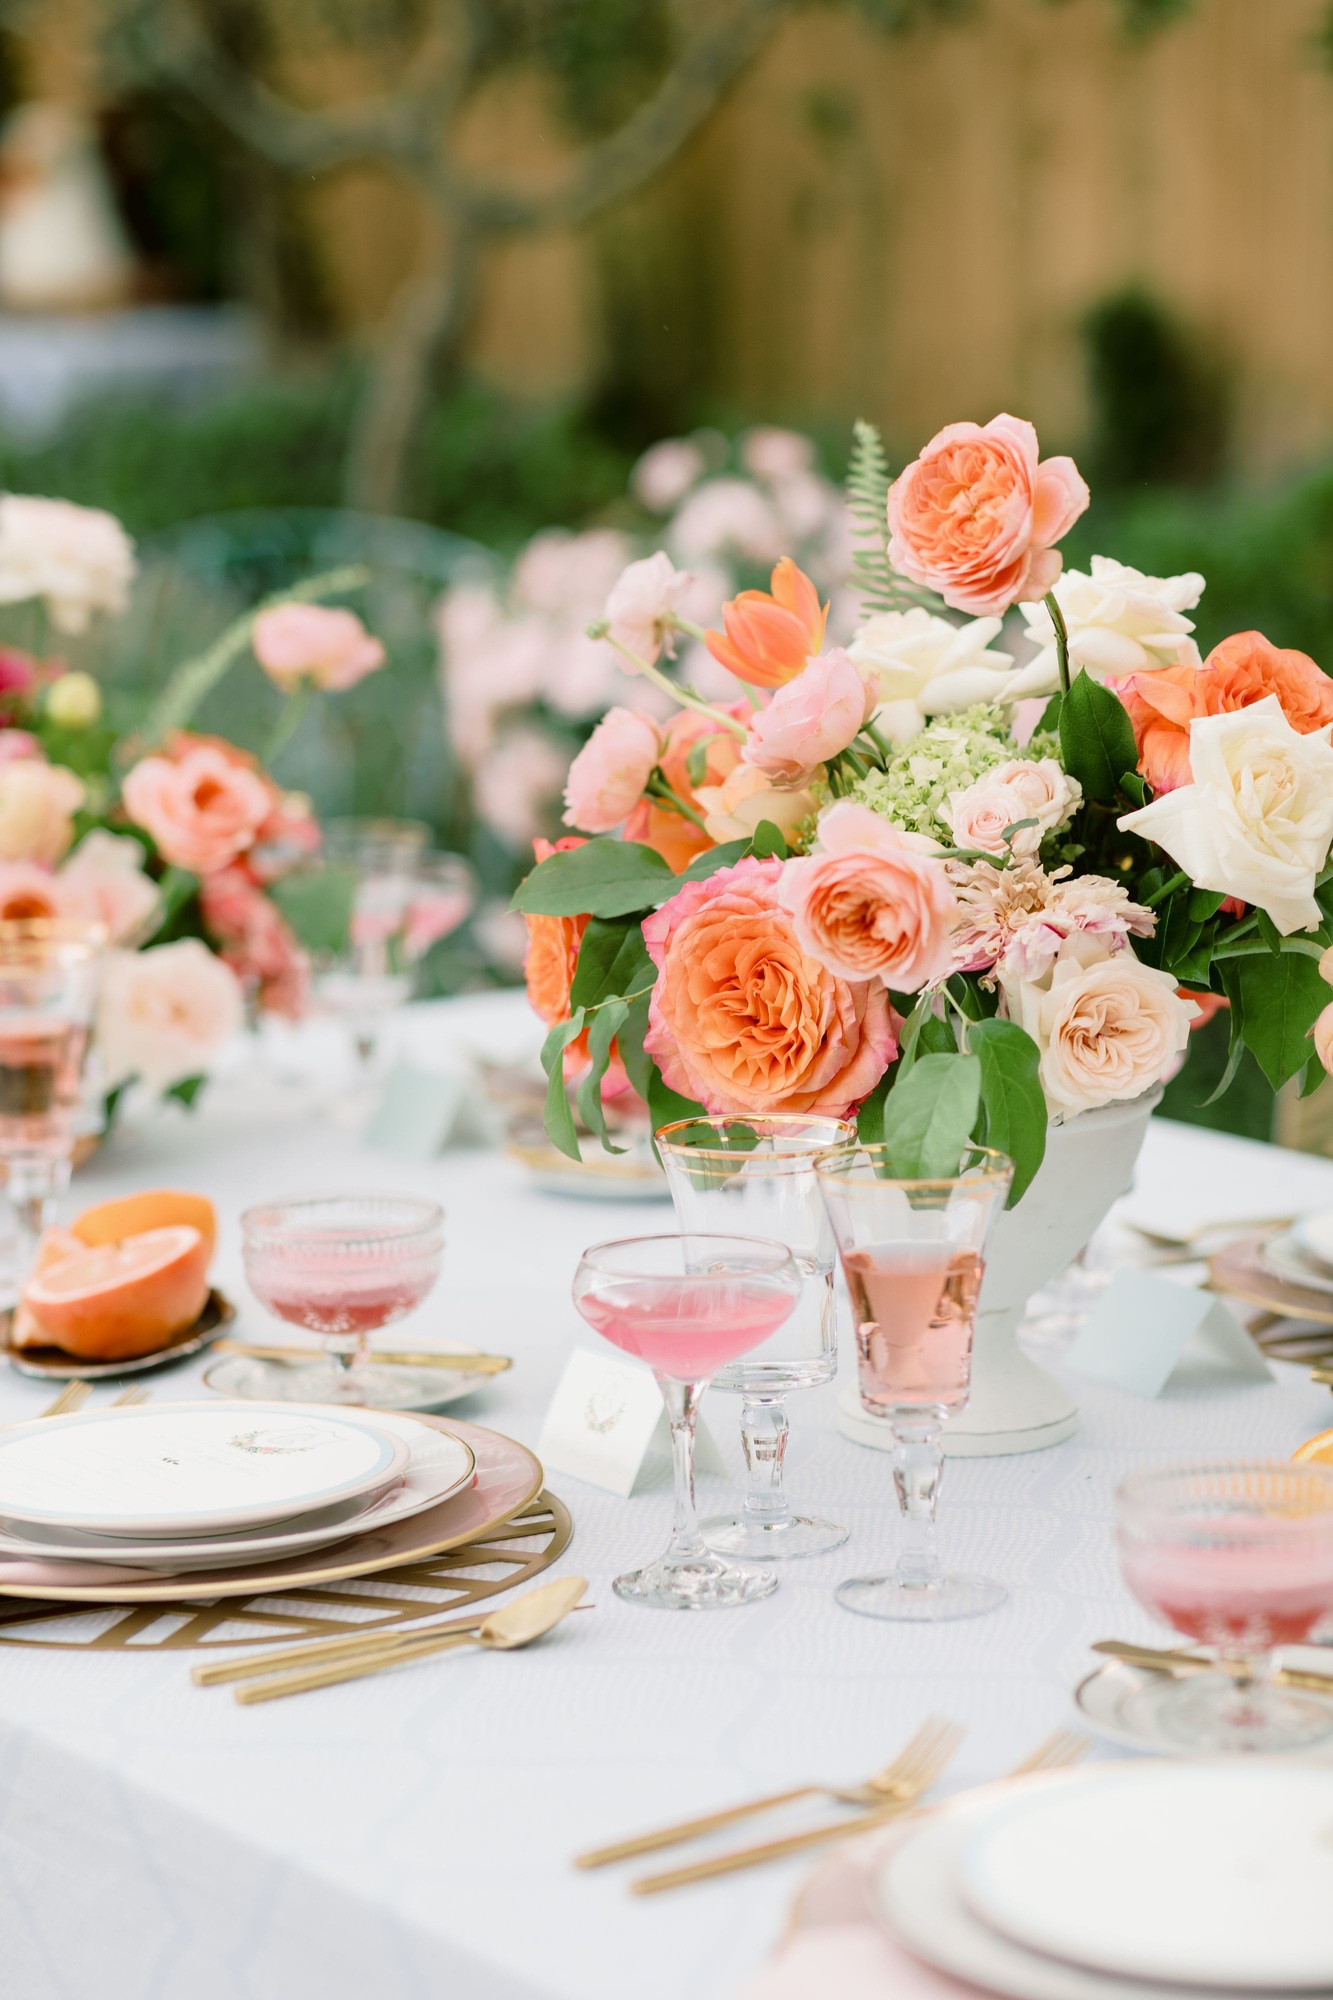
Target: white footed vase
1014	1404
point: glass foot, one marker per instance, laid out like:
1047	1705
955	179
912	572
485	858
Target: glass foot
368	1388
1211	1712
772	1541
702	1583
947	1597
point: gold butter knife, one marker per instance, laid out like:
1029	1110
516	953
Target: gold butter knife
1168	1660
467	1364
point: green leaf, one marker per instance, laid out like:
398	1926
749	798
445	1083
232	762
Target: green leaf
318	906
1012	1096
1195	967
696	760
768	841
638	1063
1313	1075
937	1037
930	1114
912	1026
606	1024
603	878
870	1117
1268	931
713	858
186	1090
1133	787
1281	998
1096	738
1205	903
557	1116
1050	716
666	1106
613	960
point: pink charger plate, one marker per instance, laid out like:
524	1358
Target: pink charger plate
508	1476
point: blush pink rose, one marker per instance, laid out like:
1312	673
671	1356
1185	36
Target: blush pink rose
976	516
743	1019
202	807
811	718
18	743
256	942
607	778
1022	790
641	608
106	871
328	647
29	891
37	806
871	902
164	1014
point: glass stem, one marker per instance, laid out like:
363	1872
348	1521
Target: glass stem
917	1467
34	1186
682	1407
764	1436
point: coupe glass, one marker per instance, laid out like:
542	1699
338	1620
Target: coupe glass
371	975
1238	1555
913	1255
687	1305
48	989
756	1176
341	1266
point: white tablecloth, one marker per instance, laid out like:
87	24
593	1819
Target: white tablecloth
410	1835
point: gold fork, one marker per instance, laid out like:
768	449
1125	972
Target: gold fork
130	1399
72	1397
884	1788
1064	1747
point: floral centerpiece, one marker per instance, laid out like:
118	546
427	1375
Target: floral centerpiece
178	844
912	880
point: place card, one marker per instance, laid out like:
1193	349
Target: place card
417	1112
606	1424
1143	1327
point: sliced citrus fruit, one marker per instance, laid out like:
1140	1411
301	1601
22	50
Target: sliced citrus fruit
52	1246
156	1208
122	1299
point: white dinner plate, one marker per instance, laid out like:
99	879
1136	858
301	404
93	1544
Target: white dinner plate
1201	1874
917	1897
1105	1695
191	1469
439	1466
1284	1256
1314	1236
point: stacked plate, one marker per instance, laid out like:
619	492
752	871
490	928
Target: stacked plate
199	1486
1303	1254
1125	1882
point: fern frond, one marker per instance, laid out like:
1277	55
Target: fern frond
868	484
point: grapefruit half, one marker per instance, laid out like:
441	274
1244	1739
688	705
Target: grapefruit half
122	1299
134	1214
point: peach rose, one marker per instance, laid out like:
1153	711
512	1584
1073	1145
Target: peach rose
164	1014
37	806
1107	1031
769	637
742	1019
811	718
981	815
674	837
28	891
734	809
106	872
607	778
1323	1037
976	516
553	948
202	806
871	902
327	647
1238	672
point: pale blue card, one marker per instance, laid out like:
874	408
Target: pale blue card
416	1112
1143	1326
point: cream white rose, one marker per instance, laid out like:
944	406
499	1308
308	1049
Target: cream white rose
1119	621
929	666
78	559
164	1014
1023	790
1257	821
733	809
1107	1031
37	806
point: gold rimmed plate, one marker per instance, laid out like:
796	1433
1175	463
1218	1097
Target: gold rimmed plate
53	1364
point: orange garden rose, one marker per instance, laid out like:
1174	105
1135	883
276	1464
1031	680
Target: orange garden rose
769	638
674	837
742	1019
1237	673
553	948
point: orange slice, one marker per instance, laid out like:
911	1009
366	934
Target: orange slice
122	1299
52	1246
156	1208
1316	1450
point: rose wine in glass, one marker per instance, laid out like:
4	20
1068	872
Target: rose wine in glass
687	1305
342	1266
913	1255
756	1176
1239	1557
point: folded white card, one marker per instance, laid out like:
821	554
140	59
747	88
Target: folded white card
1143	1327
416	1114
606	1424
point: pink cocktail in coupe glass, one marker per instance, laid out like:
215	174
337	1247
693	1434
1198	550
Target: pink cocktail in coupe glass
687	1305
1238	1555
342	1266
913	1255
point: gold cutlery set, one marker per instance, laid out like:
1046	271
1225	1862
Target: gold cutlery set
464	1364
75	1394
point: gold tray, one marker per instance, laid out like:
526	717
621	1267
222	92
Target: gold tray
53	1364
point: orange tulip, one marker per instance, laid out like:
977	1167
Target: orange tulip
769	638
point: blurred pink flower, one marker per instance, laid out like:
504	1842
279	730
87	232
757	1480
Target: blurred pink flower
567	575
27	891
811	718
607	778
768	452
518	783
15	743
640	608
37	806
666	472
202	806
727	517
256	941
165	1013
325	646
289	835
106	870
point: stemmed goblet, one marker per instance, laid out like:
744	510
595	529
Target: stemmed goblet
913	1255
687	1305
1238	1555
756	1175
342	1266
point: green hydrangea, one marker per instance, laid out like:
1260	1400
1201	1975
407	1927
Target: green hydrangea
951	752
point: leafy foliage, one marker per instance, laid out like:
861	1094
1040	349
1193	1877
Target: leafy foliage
868	483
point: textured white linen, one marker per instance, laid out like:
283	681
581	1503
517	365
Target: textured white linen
409	1837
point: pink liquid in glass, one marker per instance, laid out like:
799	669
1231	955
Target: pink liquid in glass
40	1063
1252	1591
914	1307
685	1327
341	1295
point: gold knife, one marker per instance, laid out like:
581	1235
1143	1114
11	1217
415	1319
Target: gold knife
1166	1660
467	1364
